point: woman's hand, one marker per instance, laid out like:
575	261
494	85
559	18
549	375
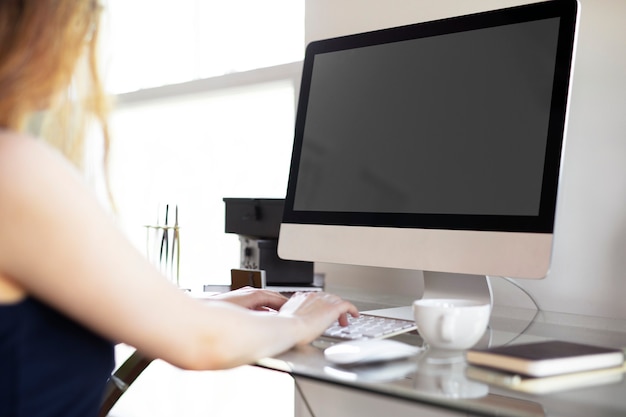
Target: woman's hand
317	311
253	298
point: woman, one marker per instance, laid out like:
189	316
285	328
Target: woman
70	283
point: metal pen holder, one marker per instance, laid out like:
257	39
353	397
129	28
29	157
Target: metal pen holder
163	246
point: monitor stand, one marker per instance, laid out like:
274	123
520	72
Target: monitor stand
465	286
444	285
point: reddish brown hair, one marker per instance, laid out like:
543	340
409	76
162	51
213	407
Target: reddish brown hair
42	43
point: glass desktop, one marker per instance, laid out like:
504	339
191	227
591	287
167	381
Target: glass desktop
441	383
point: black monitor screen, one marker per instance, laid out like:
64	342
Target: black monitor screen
455	123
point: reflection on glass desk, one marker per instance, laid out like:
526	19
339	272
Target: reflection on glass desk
439	379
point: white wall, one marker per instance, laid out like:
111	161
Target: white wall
589	263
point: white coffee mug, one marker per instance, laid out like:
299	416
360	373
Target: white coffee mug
454	324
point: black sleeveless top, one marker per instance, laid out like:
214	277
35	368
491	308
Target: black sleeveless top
49	364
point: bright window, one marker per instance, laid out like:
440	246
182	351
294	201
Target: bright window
194	151
160	42
190	128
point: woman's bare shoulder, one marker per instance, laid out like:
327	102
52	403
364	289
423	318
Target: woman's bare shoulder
15	149
14	153
18	154
14	143
25	158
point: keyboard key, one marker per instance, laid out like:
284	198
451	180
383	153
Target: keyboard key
369	327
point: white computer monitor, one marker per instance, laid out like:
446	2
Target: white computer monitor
435	146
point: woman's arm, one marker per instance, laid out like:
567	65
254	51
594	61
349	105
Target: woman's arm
59	245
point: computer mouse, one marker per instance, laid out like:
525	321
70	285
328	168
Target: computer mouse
373	372
368	350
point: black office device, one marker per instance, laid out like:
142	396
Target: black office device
257	222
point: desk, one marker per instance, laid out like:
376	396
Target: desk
421	388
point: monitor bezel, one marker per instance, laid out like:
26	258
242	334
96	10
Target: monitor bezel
566	10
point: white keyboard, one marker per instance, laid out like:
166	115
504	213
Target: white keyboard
369	327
